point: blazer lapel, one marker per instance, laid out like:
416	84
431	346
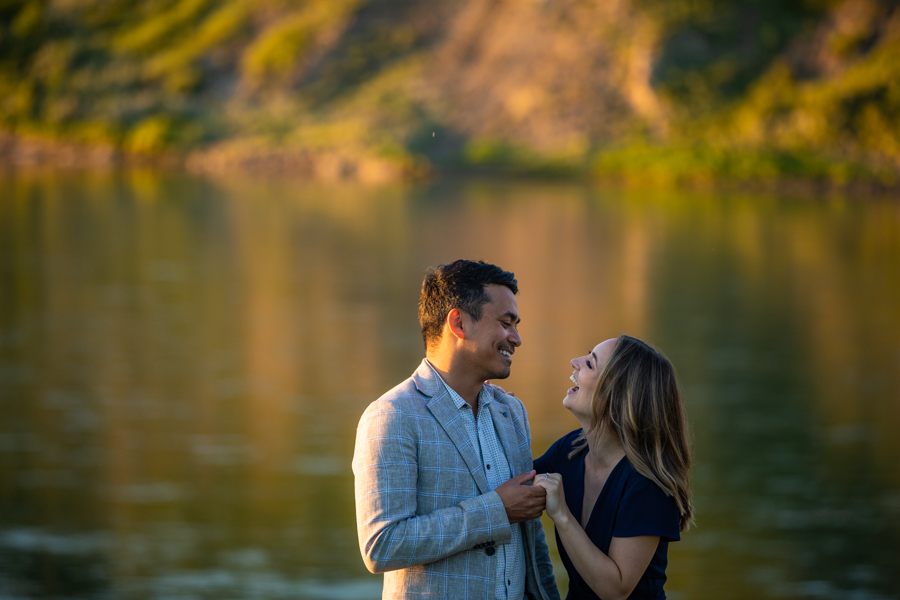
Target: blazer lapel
509	436
450	419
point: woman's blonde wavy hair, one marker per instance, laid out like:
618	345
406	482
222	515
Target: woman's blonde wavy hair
639	398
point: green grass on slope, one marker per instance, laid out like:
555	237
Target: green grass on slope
666	164
148	75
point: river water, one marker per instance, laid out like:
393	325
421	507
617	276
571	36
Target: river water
183	363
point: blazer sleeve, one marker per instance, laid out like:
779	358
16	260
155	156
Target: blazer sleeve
391	535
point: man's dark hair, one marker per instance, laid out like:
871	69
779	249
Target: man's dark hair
457	285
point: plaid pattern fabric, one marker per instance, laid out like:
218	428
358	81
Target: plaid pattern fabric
510	557
425	511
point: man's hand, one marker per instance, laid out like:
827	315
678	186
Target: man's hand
522	502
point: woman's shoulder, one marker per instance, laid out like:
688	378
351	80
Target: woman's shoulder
645	509
634	482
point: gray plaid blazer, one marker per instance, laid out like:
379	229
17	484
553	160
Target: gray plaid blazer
424	513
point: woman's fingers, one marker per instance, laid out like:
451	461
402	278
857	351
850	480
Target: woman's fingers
502	391
548	481
551	482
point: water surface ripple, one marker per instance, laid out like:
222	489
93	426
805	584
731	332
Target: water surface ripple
183	363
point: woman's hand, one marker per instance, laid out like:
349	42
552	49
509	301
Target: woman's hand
502	391
556	496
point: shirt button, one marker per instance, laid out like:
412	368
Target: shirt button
489	467
509	582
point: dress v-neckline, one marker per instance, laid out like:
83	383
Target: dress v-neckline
600	495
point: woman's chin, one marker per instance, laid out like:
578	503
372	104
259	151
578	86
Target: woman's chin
568	405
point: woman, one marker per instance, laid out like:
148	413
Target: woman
617	489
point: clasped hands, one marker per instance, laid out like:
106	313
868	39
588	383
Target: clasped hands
524	502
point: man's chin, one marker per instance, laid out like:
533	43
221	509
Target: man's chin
500	374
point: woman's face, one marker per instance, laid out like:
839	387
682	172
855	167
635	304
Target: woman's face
586	373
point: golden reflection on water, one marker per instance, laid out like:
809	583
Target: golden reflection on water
184	363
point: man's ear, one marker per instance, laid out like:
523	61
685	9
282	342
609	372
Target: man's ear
455	323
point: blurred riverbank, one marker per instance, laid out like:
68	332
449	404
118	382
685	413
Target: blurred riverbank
660	168
371	90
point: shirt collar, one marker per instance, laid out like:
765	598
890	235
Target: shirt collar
484	398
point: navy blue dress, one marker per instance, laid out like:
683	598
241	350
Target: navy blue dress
629	505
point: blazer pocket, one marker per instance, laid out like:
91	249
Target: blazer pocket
416	582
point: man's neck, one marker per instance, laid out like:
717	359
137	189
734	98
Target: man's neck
458	377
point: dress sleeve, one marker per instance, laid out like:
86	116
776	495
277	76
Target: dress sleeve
646	510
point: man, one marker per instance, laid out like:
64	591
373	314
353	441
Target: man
443	466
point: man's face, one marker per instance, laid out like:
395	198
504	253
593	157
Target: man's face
493	339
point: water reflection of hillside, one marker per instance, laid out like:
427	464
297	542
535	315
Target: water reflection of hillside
184	363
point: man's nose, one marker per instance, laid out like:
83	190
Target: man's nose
516	339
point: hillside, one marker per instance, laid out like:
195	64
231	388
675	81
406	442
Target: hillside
380	89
